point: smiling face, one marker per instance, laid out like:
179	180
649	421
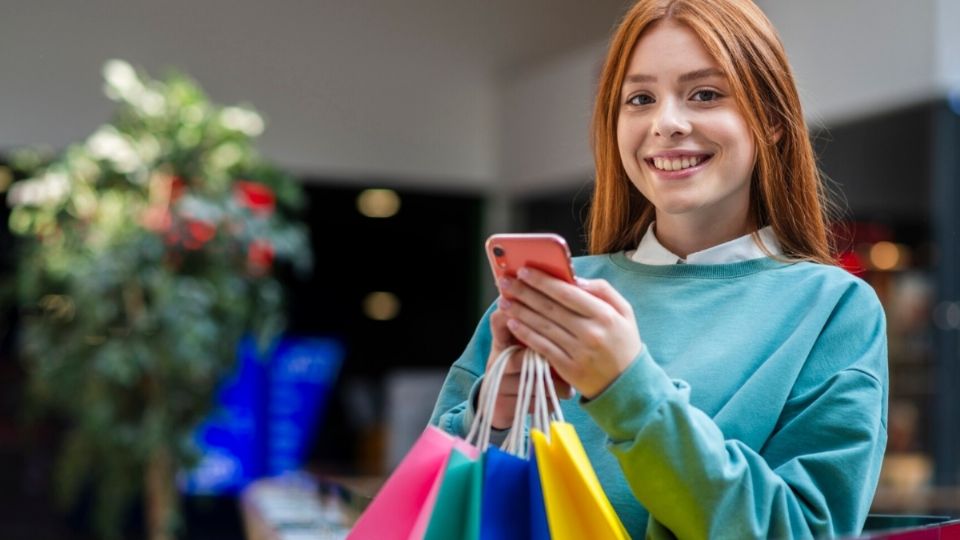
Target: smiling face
682	139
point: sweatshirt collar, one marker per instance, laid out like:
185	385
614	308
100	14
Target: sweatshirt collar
652	252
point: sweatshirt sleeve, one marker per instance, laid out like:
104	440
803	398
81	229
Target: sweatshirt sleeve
815	476
455	407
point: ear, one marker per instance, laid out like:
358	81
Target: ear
775	131
775	136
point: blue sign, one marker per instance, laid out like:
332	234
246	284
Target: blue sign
266	415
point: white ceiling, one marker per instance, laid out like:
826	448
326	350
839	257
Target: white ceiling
503	35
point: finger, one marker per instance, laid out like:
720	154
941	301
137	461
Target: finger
572	297
540	344
502	338
563	388
510	384
602	289
552	329
524	295
533	404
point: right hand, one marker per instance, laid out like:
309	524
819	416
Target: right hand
506	401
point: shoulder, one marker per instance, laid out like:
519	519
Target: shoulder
852	333
833	283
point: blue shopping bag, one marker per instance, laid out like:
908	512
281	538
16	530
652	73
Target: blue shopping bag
512	506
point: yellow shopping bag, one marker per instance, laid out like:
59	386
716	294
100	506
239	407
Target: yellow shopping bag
576	505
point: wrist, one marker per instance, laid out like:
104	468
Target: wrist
605	382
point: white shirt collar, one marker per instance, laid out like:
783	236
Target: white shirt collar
651	251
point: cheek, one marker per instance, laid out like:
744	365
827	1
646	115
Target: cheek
627	146
736	137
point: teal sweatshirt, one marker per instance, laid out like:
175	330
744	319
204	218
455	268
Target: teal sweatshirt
756	408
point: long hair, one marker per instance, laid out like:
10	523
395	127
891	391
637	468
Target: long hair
786	189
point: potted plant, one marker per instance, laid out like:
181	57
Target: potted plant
146	252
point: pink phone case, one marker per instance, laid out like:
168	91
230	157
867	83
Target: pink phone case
547	252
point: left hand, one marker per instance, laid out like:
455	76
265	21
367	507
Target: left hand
588	333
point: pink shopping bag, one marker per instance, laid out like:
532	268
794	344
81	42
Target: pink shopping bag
402	507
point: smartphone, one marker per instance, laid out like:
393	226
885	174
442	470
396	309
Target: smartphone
547	252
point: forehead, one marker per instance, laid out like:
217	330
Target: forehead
668	46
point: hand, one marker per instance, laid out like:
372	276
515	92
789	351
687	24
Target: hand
587	332
506	401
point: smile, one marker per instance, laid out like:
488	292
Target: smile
677	163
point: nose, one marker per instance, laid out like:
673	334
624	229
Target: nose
670	120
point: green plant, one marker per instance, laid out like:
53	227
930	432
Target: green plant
146	252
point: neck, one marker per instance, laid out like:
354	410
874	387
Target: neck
685	236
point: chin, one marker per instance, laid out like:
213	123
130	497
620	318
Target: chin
678	207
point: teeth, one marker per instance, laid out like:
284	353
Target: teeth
676	164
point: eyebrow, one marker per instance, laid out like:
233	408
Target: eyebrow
686	77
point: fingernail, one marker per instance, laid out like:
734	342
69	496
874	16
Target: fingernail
505	283
512	324
505	304
523	273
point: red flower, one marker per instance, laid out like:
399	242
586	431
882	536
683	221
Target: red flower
177	188
255	196
259	257
198	233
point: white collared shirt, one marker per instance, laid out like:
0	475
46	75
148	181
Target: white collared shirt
651	251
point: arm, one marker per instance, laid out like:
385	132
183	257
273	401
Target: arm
814	477
815	474
455	405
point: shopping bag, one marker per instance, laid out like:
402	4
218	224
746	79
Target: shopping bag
512	507
404	507
456	513
423	520
394	511
576	505
457	510
539	527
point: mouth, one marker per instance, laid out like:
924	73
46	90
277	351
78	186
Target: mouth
678	163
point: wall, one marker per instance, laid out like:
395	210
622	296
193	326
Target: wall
341	83
854	58
408	93
948	45
545	119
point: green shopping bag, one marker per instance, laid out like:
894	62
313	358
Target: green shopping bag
456	513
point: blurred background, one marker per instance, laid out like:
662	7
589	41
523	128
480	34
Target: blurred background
472	118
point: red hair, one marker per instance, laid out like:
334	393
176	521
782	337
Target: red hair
786	189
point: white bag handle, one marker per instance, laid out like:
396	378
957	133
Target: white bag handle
536	385
514	443
479	433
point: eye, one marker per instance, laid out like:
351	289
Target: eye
706	95
640	99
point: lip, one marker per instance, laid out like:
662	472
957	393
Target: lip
682	173
679	152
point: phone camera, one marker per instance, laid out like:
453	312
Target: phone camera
498	251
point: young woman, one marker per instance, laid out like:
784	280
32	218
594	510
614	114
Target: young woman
731	380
